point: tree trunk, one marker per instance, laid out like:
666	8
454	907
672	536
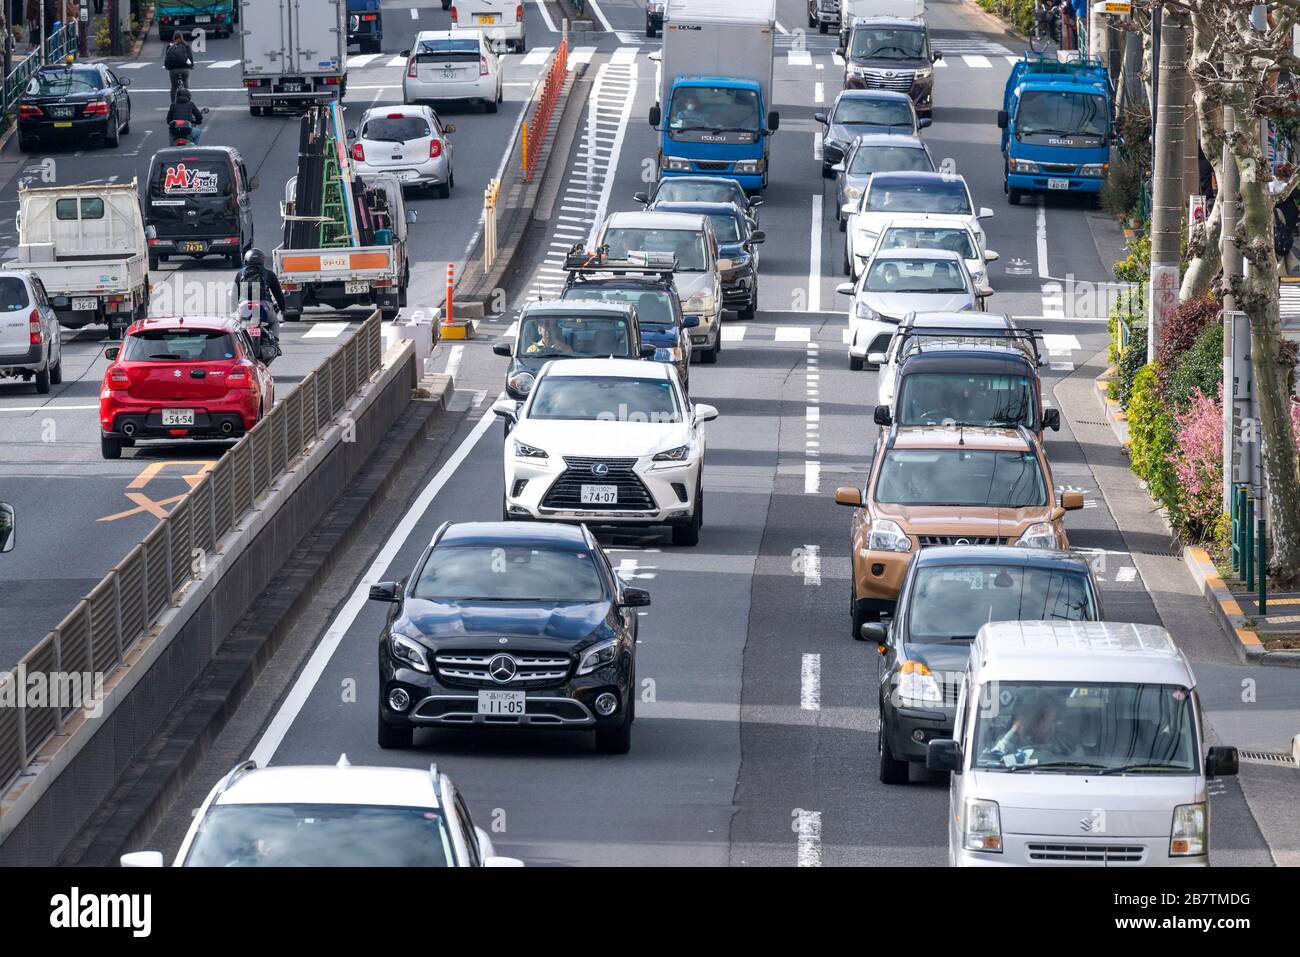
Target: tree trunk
1167	199
1203	243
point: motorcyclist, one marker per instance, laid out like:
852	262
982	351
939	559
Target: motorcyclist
256	283
183	110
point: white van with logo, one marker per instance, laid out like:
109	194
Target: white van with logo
1078	743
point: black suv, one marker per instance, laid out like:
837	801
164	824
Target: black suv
510	624
887	53
949	592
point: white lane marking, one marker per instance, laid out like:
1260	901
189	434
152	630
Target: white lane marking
780	27
977	61
808	825
580	54
811	556
819	90
812	478
536	55
325	330
1059	345
453	361
288	712
799	58
839	60
792	334
617	150
227	64
732	333
624	55
1013	60
546	15
360	59
600	15
810	683
1042	241
1126	574
415	14
629	569
817	148
512	329
815	257
812	414
47	408
138	65
1061	366
941	63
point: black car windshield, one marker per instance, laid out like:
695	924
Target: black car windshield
1061	114
960	477
916	275
652	308
604	399
685	190
706	109
13	294
975	399
953	601
880	43
1069	728
685	244
64	82
505	572
395	129
890	159
952	238
321	835
932	196
873	111
178	345
726	227
558	335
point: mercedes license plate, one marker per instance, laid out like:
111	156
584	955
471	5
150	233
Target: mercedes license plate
501	702
1058	184
599	495
177	416
89	304
356	288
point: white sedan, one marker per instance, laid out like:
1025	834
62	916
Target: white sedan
607	442
453	65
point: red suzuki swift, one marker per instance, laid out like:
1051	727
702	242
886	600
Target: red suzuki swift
186	378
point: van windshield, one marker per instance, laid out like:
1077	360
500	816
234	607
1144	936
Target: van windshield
1071	728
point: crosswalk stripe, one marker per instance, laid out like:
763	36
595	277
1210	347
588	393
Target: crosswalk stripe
977	61
362	59
138	65
536	55
581	55
1013	60
325	330
941	64
224	64
732	333
799	58
397	61
838	60
624	55
792	333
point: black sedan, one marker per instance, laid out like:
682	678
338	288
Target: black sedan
510	625
73	103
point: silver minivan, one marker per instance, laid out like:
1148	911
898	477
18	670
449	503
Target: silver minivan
1078	743
31	345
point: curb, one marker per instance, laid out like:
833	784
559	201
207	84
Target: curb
1228	613
1115	417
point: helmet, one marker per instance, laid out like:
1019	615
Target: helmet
182	95
254	257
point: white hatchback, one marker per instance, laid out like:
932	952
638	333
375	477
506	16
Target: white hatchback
453	65
410	142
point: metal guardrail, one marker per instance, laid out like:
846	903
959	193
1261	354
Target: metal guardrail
107	624
55	47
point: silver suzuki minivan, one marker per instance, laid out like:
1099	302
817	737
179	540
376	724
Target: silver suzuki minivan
1078	743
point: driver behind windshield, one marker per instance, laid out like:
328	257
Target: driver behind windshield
1037	729
549	339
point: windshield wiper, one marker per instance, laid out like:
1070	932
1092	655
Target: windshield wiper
1125	768
1054	764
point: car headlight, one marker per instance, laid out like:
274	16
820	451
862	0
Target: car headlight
521	382
981	826
852	192
665	354
886	536
857	70
677	164
523	451
748	167
1041	535
916	686
1094	169
679	454
598	656
408	652
835	145
1187	836
864	312
701	303
1022	166
924	73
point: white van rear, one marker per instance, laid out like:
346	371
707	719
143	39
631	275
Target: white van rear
501	20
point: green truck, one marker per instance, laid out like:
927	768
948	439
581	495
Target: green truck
217	17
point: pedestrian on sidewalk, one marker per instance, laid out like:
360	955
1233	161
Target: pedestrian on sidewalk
178	61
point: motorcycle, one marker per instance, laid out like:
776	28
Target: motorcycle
182	131
256	320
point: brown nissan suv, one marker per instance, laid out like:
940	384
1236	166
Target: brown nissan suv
947	486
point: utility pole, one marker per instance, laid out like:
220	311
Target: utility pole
1099	34
1167	198
1229	187
115	27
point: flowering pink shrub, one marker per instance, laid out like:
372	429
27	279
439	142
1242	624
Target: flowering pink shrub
1198	461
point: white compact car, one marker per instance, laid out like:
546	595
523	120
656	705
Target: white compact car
501	20
331	816
607	442
410	142
453	65
939	232
31	344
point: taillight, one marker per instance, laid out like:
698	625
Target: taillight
453	13
359	153
519	13
410	68
118	379
435	149
482	66
238	378
98	108
27	111
369	17
34	325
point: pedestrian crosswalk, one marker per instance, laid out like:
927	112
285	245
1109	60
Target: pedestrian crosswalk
367	61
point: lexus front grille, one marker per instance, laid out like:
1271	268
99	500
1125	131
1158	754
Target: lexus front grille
565	493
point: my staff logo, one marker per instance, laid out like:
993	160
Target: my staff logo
76	910
182	179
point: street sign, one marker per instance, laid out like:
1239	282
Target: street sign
1114	8
1195	209
1164	300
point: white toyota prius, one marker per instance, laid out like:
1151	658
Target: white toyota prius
607	442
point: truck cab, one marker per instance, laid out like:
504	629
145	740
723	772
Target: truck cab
1056	126
366	25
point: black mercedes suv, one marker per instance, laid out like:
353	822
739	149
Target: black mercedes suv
509	624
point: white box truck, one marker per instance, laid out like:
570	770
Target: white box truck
714	112
295	52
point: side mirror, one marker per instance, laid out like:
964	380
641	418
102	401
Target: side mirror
647	352
112	352
656	116
390	592
943	754
655	56
142	859
924	122
990	256
1221	761
405	53
1071	501
881	416
690	322
635	598
838	168
1003	119
874	632
126	81
773	121
820	118
877	359
507	409
1052	419
705	413
502	862
985	213
642	198
266	351
848	496
8	527
758	236
844	289
502	348
936	56
983	292
449	128
839	52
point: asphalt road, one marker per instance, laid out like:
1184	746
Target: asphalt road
755	737
80	514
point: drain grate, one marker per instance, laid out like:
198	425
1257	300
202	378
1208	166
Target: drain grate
1267	757
1089	422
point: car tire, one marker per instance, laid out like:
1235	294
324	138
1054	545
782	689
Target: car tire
394	739
855	363
154	262
491	106
442	190
1013	196
372	46
126	127
505	509
56	372
827	172
115	140
26	144
848	269
709	357
892	770
751	308
822	28
812	21
42	381
616	740
110	446
689	535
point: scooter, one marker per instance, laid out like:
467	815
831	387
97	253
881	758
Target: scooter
182	131
254	318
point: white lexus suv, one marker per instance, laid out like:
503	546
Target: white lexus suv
607	442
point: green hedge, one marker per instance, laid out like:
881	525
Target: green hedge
1131	362
1152	433
1019	13
1200	367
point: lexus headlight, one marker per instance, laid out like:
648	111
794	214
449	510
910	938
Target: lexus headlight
1094	169
521	382
1041	535
523	451
701	303
598	656
852	192
886	536
678	454
916	686
664	354
1022	166
408	652
981	826
1187	836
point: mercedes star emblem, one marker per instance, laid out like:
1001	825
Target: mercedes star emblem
600	468
502	668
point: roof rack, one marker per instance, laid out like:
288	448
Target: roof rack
1029	337
583	263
